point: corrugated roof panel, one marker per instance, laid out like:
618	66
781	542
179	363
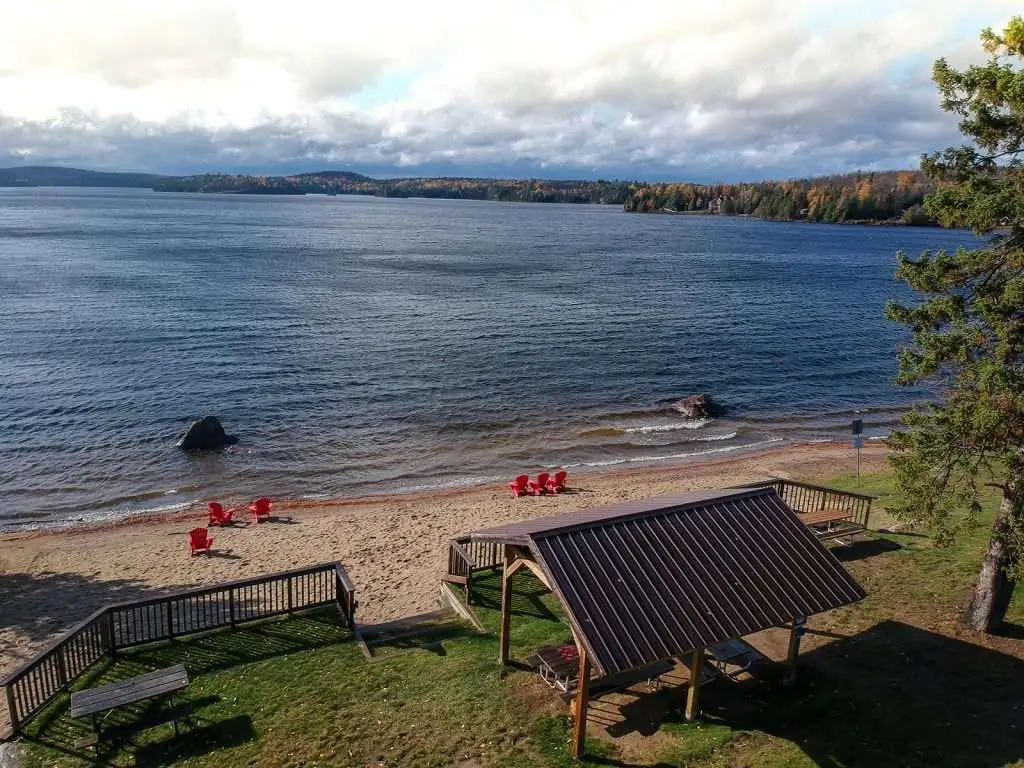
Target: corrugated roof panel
525	528
652	583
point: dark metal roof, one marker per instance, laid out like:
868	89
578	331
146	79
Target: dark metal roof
520	531
645	581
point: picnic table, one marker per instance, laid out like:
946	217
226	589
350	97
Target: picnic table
558	666
105	698
823	516
734	653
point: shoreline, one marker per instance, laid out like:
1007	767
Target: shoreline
394	547
739	454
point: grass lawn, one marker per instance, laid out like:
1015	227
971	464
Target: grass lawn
893	681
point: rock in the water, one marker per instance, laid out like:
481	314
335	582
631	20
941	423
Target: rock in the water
695	407
206	435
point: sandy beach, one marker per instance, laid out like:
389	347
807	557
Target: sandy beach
395	547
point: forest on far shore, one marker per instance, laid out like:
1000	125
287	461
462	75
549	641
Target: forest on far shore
886	196
866	197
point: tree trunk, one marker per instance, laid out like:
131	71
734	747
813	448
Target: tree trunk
994	589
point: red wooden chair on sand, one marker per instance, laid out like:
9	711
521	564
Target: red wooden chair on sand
199	541
541	484
557	483
219	515
260	509
520	486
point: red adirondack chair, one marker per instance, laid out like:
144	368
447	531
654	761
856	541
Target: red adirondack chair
199	541
260	509
540	485
520	486
557	483
219	515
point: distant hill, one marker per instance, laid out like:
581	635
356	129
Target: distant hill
347	183
342	175
53	176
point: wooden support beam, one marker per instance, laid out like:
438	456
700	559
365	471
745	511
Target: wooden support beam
579	733
796	631
538	572
511	570
522	562
506	608
693	693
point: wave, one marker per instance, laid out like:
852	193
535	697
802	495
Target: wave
691	454
95	516
691	424
714	438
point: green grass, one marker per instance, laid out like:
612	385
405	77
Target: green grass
900	684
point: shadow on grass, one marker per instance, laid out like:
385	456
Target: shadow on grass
529	597
429	639
205	738
201	655
865	548
893	695
1008	629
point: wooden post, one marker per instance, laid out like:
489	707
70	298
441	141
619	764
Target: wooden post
62	667
693	693
795	633
12	709
579	732
506	608
111	634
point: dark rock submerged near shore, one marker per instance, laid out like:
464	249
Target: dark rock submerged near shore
696	407
206	434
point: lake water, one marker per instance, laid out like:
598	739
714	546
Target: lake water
362	345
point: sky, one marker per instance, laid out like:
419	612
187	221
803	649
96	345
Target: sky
721	90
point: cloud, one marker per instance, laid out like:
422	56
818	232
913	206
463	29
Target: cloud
745	89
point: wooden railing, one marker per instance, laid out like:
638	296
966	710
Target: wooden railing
804	497
30	688
465	557
460	562
485	554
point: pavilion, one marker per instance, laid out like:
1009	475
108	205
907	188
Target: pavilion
646	581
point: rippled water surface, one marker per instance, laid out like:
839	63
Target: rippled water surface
361	345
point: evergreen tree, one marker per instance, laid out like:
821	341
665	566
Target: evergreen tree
968	329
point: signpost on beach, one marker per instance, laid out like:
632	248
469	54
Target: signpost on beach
858	442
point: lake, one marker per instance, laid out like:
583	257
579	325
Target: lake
361	345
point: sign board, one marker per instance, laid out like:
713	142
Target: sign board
858	426
858	442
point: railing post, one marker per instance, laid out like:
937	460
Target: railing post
231	607
170	621
289	595
111	638
62	667
12	708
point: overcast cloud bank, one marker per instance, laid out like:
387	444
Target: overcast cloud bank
747	90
